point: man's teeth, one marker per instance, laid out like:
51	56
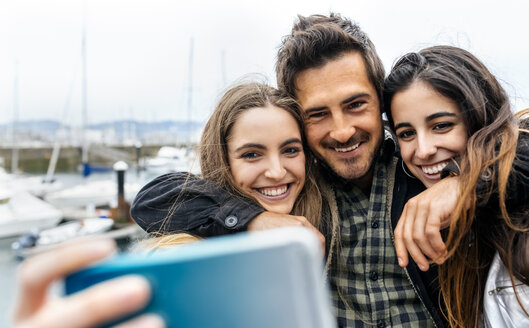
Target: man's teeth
273	191
434	169
344	150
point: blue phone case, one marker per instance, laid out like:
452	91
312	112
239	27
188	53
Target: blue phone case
265	279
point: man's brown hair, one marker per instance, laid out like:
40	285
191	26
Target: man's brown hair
317	39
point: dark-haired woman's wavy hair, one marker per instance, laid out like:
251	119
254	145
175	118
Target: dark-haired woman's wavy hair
493	133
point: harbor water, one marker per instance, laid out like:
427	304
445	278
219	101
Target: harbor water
9	262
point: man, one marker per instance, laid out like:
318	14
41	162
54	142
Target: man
331	67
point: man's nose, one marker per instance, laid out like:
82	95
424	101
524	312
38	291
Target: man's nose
342	129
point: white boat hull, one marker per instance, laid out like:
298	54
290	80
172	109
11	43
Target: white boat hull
21	212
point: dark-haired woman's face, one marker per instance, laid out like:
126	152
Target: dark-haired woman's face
265	153
430	131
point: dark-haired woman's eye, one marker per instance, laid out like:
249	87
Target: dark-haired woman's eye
406	134
443	126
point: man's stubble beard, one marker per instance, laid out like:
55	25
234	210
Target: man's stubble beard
353	171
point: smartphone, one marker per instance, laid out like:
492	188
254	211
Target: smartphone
256	279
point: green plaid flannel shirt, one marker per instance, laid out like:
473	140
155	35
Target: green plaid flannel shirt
369	289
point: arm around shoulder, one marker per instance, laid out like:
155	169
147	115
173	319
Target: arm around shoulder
181	202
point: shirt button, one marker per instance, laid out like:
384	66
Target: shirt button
231	221
381	324
374	224
373	275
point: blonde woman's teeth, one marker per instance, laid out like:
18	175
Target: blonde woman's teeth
276	191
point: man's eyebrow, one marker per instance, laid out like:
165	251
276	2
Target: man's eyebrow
289	141
437	115
402	125
348	100
354	97
250	145
315	109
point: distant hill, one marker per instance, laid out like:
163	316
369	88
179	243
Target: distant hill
122	131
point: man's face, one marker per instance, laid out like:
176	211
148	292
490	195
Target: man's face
344	126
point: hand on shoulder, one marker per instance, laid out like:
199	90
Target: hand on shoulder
418	231
270	220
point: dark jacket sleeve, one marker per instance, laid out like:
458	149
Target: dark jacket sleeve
180	202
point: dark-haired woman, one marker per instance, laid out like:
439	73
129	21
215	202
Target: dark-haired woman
450	114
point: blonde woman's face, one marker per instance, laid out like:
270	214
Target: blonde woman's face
266	157
430	131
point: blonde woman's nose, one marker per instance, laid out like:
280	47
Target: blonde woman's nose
275	170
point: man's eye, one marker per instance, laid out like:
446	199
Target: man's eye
355	104
406	134
317	115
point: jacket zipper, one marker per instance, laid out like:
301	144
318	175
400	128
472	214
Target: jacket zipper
497	290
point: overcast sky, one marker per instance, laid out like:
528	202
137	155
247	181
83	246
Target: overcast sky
138	51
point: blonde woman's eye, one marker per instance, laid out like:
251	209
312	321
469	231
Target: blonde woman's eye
250	155
292	150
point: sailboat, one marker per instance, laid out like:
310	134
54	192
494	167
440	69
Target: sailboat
93	192
20	210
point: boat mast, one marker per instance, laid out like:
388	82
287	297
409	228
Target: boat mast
84	113
190	91
14	156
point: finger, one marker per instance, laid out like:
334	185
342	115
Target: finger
417	214
144	321
96	305
433	233
305	223
400	245
321	238
36	274
408	222
424	218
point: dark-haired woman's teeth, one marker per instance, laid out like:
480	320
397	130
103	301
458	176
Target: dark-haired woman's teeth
434	169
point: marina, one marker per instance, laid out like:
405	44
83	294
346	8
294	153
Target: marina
36	215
